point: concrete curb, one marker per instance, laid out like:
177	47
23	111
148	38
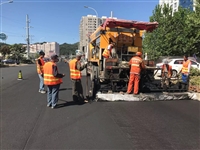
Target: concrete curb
14	65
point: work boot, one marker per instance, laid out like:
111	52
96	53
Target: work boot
86	101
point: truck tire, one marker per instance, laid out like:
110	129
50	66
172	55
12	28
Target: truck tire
174	73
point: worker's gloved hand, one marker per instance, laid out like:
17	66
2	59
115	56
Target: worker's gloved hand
42	75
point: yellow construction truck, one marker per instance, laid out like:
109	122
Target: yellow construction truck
112	74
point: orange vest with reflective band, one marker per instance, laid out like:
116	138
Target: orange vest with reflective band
106	53
185	66
74	72
135	63
167	70
39	67
49	79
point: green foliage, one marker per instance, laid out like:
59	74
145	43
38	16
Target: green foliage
176	34
5	50
195	80
67	49
17	51
194	72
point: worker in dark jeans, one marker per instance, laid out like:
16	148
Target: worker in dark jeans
75	75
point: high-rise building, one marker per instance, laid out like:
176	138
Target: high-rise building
176	3
88	25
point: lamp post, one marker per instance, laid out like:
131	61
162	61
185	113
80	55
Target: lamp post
10	1
96	14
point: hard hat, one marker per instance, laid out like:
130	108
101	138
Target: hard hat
139	54
54	56
79	53
41	52
165	61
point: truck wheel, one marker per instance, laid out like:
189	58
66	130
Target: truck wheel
174	73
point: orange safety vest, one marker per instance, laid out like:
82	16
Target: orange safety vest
135	63
74	72
167	70
106	53
39	67
49	79
185	66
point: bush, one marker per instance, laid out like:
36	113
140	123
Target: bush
194	72
195	80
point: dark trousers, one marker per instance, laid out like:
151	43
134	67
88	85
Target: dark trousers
77	91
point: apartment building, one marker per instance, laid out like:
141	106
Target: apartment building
88	25
49	48
176	3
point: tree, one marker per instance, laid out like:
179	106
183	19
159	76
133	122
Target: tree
5	50
67	49
176	35
17	51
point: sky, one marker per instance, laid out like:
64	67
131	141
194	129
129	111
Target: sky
58	20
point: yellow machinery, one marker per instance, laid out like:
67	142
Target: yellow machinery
114	72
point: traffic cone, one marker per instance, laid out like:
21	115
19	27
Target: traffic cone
20	75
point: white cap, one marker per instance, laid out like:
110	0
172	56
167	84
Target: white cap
79	53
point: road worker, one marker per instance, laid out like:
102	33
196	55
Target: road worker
40	63
53	79
75	75
136	65
109	52
166	74
185	70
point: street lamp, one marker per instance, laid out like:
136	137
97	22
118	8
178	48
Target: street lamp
9	1
96	14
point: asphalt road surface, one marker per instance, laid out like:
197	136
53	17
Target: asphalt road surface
26	122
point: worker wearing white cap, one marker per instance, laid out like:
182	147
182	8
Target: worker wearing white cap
75	75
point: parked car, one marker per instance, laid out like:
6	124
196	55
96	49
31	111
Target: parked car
8	61
176	66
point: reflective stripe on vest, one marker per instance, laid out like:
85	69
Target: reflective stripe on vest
185	66
39	67
74	72
49	79
106	53
135	65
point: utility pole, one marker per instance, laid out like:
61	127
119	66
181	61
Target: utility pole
27	35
